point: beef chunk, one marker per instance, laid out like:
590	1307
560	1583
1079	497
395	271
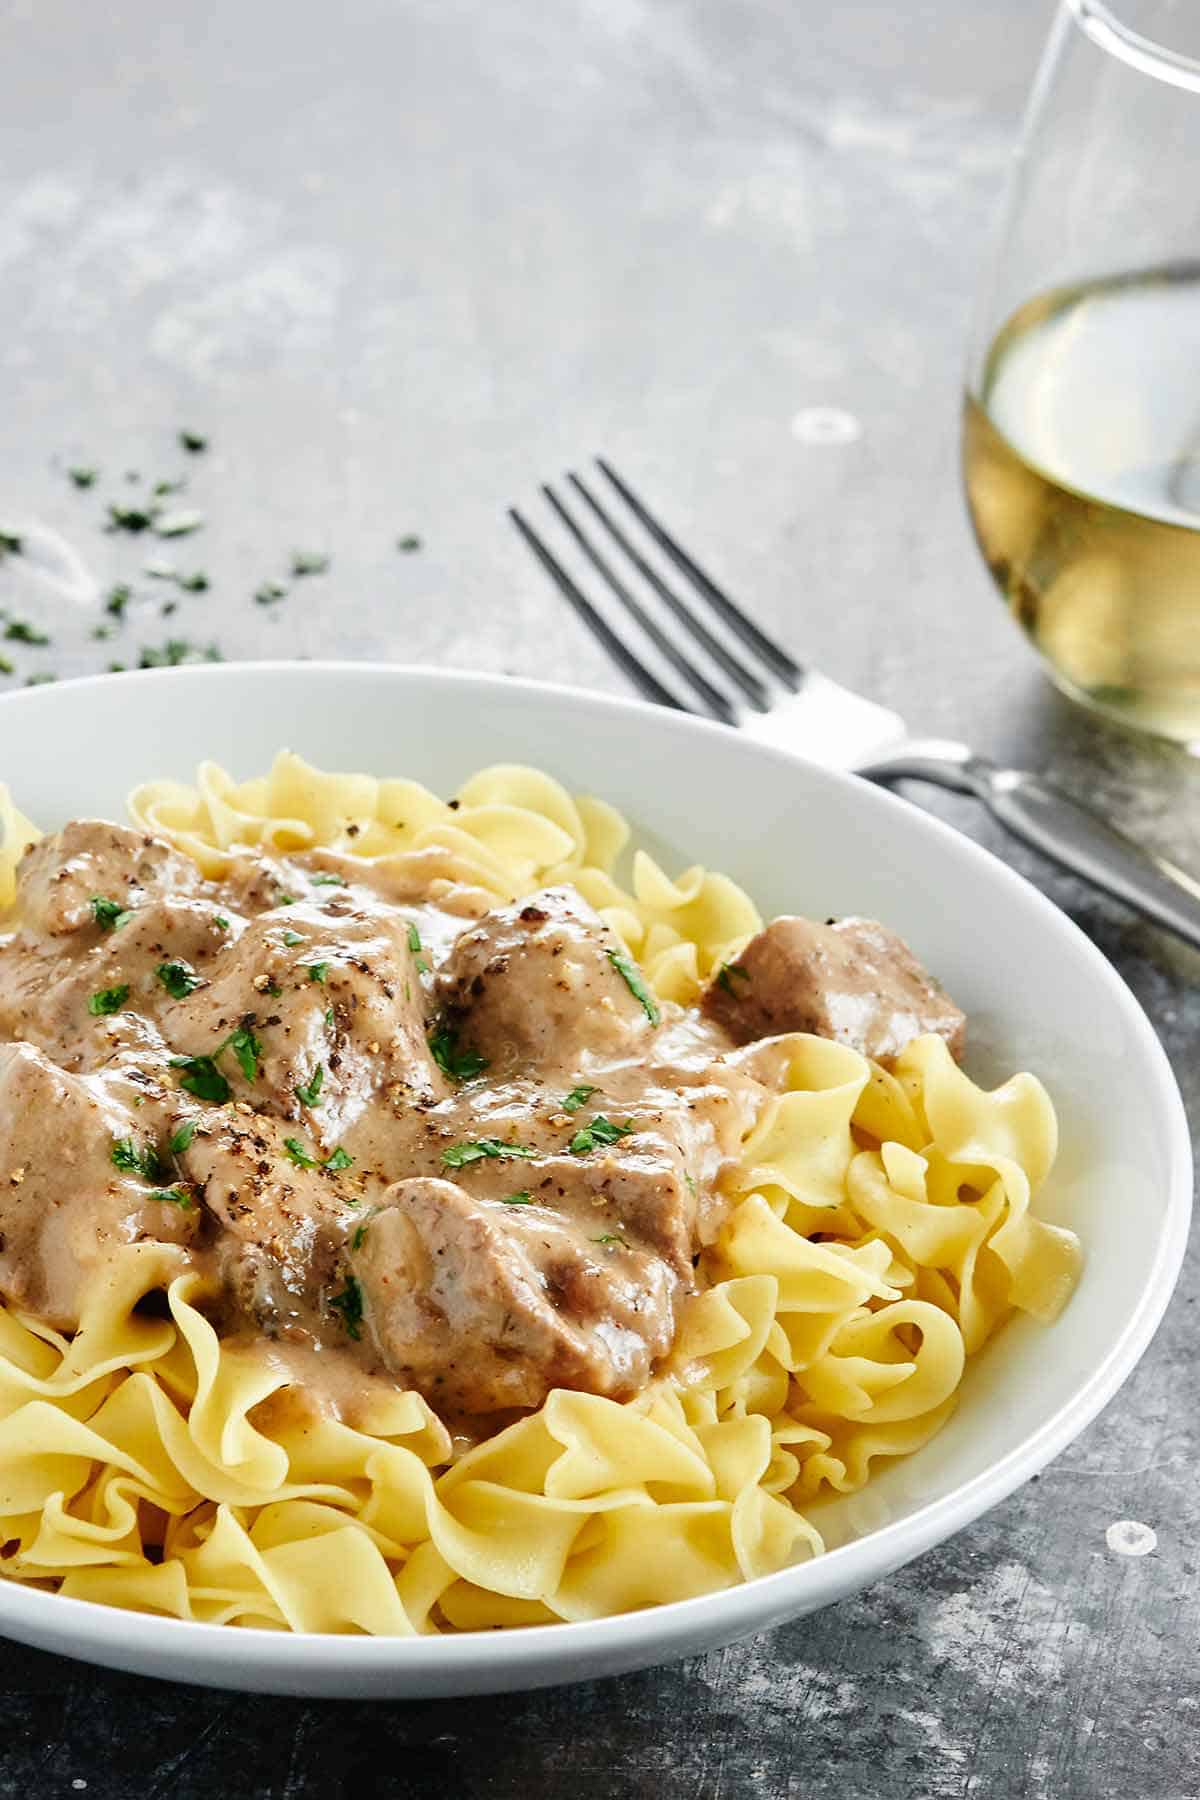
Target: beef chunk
335	1005
64	1203
534	984
58	878
485	1306
852	980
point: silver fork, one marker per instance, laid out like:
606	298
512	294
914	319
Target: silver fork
762	690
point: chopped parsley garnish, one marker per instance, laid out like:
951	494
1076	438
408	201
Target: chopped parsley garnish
182	1138
179	979
175	1196
600	1131
282	899
308	1096
246	1048
6	668
270	592
414	944
359	1235
611	1237
459	1155
273	988
318	971
179	524
132	1160
134	519
290	938
10	544
20	631
329	1018
408	543
117	599
460	1065
579	1096
299	1154
41	679
109	915
522	1197
191	440
202	1077
107	1000
631	975
328	880
166	571
341	1159
221	922
727	974
309	562
161	489
349	1303
174	652
83	478
691	1186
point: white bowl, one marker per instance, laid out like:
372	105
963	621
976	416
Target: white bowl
1038	994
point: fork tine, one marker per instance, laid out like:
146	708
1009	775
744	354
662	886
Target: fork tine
713	698
773	654
754	689
637	672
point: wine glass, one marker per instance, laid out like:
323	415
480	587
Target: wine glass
1081	437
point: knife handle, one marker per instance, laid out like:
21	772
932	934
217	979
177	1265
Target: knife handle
1072	835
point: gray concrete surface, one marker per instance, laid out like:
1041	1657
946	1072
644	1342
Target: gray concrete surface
400	260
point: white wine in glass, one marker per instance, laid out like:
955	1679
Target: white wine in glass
1081	440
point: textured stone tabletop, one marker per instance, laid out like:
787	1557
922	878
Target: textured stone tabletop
398	261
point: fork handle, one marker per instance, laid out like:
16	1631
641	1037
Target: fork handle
1072	835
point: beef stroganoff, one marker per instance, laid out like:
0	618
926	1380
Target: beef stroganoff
408	1224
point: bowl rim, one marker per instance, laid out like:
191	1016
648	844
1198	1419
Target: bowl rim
665	1630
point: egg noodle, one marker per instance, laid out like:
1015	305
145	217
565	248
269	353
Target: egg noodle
879	1230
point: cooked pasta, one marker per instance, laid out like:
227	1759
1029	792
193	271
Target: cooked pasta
878	1231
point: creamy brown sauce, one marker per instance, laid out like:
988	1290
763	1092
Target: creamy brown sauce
408	1138
317	1177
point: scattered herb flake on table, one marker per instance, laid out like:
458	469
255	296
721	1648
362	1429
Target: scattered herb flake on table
134	519
20	631
178	524
83	477
270	592
408	543
309	562
193	442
